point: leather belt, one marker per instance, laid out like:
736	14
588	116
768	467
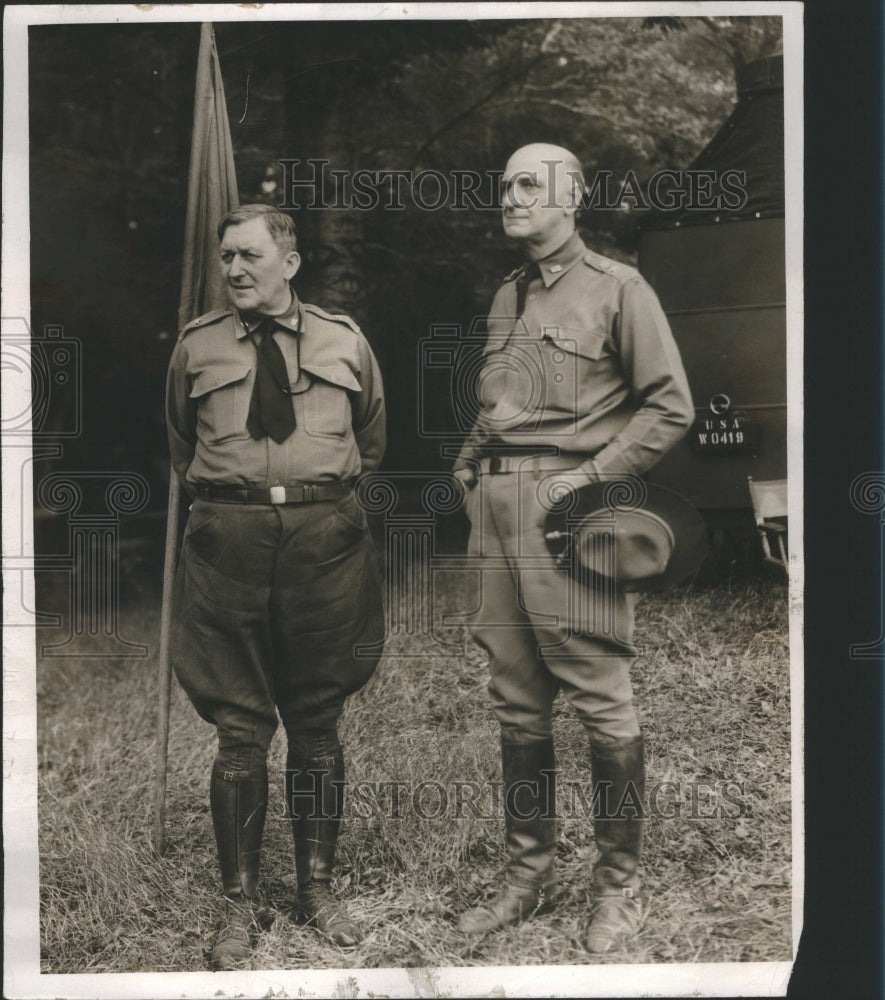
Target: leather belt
493	465
306	493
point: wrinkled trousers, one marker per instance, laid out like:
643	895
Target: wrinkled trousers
271	603
544	630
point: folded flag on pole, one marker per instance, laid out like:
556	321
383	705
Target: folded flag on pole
212	187
211	193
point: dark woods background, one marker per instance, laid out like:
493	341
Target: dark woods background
111	112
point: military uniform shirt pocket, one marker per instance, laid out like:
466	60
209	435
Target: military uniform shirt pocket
574	359
222	394
581	342
326	404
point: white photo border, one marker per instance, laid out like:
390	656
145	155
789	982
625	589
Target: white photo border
22	976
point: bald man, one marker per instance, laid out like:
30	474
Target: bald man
581	382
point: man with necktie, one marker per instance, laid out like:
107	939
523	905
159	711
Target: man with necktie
274	407
581	382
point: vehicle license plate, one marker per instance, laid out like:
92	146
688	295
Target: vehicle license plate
718	434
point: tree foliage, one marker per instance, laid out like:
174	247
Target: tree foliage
111	111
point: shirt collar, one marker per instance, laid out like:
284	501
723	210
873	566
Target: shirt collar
563	259
290	320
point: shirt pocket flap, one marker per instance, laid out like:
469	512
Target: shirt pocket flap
338	375
583	342
498	340
215	378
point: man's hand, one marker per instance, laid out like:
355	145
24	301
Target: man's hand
564	488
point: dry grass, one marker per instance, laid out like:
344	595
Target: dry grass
713	693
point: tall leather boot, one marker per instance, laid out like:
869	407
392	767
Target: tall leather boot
238	802
315	800
529	771
619	811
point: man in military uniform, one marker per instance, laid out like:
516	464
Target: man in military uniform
273	408
581	381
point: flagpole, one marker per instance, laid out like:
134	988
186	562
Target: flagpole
212	191
165	664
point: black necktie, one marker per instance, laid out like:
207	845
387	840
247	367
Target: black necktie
529	273
270	409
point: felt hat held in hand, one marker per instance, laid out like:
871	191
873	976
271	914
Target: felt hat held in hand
640	536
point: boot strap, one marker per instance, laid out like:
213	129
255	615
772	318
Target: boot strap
625	892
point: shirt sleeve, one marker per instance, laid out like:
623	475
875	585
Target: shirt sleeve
653	368
181	418
473	445
470	452
369	416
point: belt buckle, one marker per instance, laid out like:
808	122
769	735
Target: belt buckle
278	494
494	465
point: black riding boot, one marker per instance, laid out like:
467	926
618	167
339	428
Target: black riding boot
529	772
239	805
315	800
619	811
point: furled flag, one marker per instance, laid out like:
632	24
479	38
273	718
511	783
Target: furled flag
211	192
212	187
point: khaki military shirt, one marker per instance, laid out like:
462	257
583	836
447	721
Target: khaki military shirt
338	401
590	370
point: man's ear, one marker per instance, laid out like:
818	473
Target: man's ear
578	192
573	185
292	264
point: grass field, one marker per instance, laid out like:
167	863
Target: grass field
712	690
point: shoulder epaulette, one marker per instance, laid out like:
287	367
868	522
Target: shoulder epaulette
623	272
205	320
333	317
